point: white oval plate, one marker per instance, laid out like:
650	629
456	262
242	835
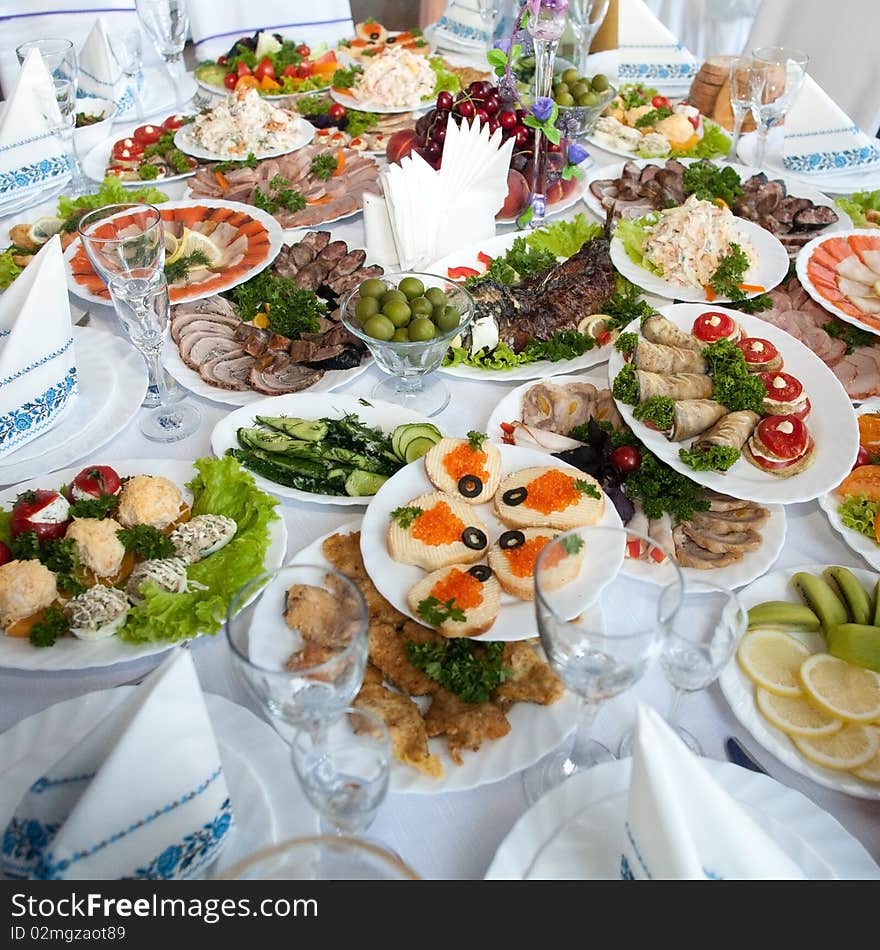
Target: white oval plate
495	247
267	803
606	143
516	619
186	143
564	204
832	422
96	162
72	654
803	260
112	382
350	102
771	269
375	413
752	565
739	691
810	836
534	730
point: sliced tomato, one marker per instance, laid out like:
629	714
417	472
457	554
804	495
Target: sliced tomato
785	436
869	429
127	147
328	57
243	69
864	480
173	123
789	393
714	325
757	350
147	134
265	68
290	71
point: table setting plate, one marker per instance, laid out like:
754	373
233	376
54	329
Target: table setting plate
96	161
184	141
363	105
223	92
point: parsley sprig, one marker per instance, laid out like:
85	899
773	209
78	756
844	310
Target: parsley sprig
324	166
405	516
99	508
470	670
279	197
231	166
436	612
146	541
53	625
587	488
729	276
476	439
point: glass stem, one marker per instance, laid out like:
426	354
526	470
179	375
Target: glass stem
157	374
763	131
545	56
582	38
738	117
136	92
587	712
177	73
675	707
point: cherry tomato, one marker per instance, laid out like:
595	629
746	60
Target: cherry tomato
304	70
290	71
265	68
95	481
303	50
863	458
148	134
230	79
243	69
336	111
222	60
5	554
30	504
660	102
173	122
626	458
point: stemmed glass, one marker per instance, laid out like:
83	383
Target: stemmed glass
740	98
489	10
585	17
775	79
58	54
126	246
602	651
167	23
127	47
59	110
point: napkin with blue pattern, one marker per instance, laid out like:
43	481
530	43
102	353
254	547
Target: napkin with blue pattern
100	74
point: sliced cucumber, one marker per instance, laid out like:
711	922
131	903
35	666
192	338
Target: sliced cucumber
418	447
405	434
268	440
361	483
307	430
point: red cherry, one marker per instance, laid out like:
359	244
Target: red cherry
481	116
863	458
466	109
508	120
494	125
439	134
520	114
491	104
433	150
521	135
554	147
444	101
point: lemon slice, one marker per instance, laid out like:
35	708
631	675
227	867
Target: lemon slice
172	248
43	228
796	715
772	659
196	241
850	748
841	689
870	771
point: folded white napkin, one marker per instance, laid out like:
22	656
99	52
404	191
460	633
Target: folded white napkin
820	137
100	74
142	796
31	155
37	362
460	27
377	227
216	26
682	825
648	51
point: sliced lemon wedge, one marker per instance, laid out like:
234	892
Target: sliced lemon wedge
796	715
772	659
841	689
870	771
173	248
43	228
852	747
196	241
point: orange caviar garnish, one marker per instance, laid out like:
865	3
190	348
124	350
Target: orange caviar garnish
466	460
438	525
522	559
464	589
552	491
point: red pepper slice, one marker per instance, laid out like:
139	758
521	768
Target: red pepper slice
484	259
508	427
634	548
460	273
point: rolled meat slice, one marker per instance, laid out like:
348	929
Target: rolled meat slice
693	416
674	385
658	358
659	329
733	429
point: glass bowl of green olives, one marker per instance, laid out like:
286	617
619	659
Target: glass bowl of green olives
581	100
409	320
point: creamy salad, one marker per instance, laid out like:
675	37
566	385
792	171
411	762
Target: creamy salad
688	242
246	123
397	78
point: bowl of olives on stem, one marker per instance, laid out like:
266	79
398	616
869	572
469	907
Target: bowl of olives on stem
581	100
409	320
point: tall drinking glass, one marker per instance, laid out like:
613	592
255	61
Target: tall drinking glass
167	23
58	106
489	10
127	47
58	54
776	77
126	247
602	651
585	17
740	98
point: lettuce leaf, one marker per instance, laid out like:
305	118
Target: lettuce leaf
221	487
111	192
446	81
713	144
858	513
9	270
502	357
856	205
633	235
565	238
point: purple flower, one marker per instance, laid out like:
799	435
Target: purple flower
543	108
503	45
576	153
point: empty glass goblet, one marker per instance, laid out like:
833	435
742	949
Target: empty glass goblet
127	47
740	98
585	17
775	79
489	10
58	54
58	106
167	23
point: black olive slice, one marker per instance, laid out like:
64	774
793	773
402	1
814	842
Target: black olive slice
474	539
482	572
470	486
511	539
515	496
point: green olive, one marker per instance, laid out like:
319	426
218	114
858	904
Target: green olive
390	295
422	329
401	335
570	75
589	99
421	307
379	327
448	320
366	307
411	287
561	88
600	83
373	287
398	313
436	296
566	99
579	88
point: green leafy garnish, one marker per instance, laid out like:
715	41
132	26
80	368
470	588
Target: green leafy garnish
231	166
653	117
713	144
634	234
470	670
565	238
563	345
632	96
358	122
434	612
280	195
476	439
405	516
291	310
859	204
572	544
58	555
179	269
9	270
708	181
660	489
713	458
146	542
111	192
626	343
98	508
730	273
147	171
445	81
53	625
658	410
732	383
626	305
26	547
859	513
516	264
587	488
324	166
626	385
345	78
851	335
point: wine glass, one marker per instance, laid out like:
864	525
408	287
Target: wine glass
602	651
585	17
58	54
775	79
126	246
167	23
489	10
58	105
740	98
127	48
344	769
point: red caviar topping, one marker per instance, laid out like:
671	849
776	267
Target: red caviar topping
552	491
522	559
466	460
438	525
464	589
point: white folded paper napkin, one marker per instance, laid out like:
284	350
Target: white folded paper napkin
682	825
37	361
820	137
214	27
460	27
31	154
648	51
142	796
100	74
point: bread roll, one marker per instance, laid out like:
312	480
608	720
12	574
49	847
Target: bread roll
549	497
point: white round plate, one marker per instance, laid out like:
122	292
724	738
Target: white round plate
223	92
332	379
534	729
266	799
541	369
564	204
273	229
516	619
344	57
375	413
158	94
350	102
186	143
739	690
112	382
808	835
803	259
68	653
831	423
98	159
771	269
753	564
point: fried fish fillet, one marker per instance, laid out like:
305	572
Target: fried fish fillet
465	725
372	675
532	682
388	653
409	738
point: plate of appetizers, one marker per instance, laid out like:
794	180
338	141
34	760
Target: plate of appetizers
112	599
707	534
788	690
236	240
474	740
431	528
788	434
